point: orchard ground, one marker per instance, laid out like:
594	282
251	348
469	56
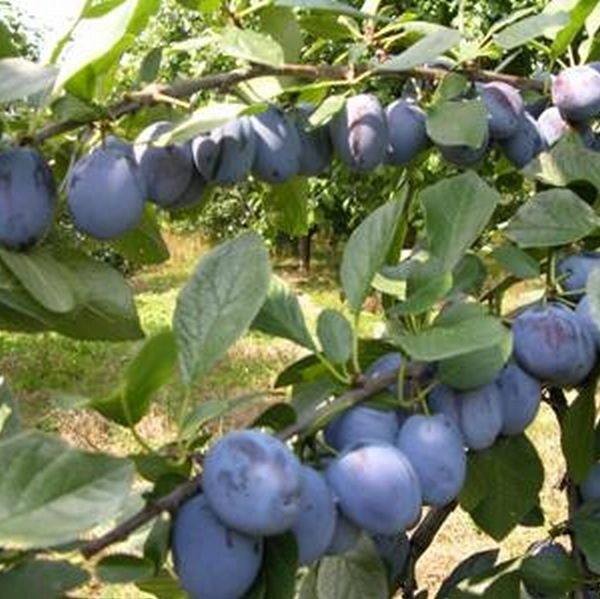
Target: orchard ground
35	365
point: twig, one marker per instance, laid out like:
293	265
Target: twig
156	93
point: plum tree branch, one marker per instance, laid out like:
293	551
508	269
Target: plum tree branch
157	93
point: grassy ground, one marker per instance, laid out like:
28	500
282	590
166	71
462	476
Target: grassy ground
36	365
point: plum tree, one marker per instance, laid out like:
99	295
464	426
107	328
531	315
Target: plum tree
212	561
407	132
480	416
590	486
576	92
435	451
359	133
252	482
277	155
551	344
226	155
316	150
316	521
520	397
166	170
528	141
504	106
573	271
377	488
106	194
345	535
27	198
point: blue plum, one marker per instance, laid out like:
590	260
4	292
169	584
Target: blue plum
106	194
252	482
345	535
444	400
385	365
316	521
435	450
316	151
576	92
212	561
359	133
480	416
520	397
361	423
193	194
553	126
27	198
166	170
573	271
118	145
226	155
522	147
377	488
551	343
407	132
465	156
590	486
277	155
504	106
583	312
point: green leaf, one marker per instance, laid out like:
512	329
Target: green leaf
587	537
366	251
286	205
151	368
341	8
516	261
205	6
51	493
144	244
219	302
356	574
427	284
551	574
453	85
21	78
335	334
276	417
157	543
150	65
468	275
458	123
282	25
10	417
162	586
281	315
327	110
70	108
327	26
457	210
41	578
500	583
425	50
97	44
577	17
508	478
551	218
120	568
472	566
577	434
529	28
46	279
251	46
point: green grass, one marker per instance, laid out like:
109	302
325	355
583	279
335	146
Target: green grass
36	365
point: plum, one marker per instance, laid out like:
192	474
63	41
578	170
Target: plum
377	488
27	198
583	312
573	271
444	400
551	343
106	194
553	126
504	106
277	155
389	363
435	451
212	561
252	482
226	155
576	92
590	487
522	147
360	423
520	397
193	194
464	156
550	550
480	416
407	132
316	150
359	133
393	551
345	535
166	170
118	145
315	524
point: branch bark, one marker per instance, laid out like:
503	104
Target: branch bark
156	93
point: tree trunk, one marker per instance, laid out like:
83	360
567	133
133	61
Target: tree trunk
304	248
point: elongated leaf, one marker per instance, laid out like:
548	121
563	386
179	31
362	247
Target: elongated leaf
366	251
551	574
342	8
577	17
121	568
475	564
326	110
425	50
20	78
456	212
516	261
51	493
587	536
523	31
282	25
251	46
335	335
281	315
551	218
162	586
219	302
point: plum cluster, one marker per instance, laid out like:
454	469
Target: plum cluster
107	189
